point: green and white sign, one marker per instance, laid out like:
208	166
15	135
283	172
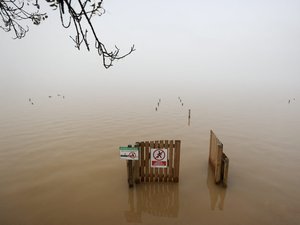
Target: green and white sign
129	153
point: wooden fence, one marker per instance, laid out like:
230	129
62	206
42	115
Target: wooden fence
141	170
218	160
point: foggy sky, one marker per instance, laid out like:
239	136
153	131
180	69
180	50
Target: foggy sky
178	43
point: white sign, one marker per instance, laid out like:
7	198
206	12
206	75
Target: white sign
129	153
159	158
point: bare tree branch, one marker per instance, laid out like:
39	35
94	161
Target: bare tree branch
12	12
77	12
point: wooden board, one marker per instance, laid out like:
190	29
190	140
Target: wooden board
218	160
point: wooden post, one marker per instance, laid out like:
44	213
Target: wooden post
130	173
225	166
177	160
218	162
136	164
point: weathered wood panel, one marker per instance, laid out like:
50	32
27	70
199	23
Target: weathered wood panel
215	155
142	170
218	160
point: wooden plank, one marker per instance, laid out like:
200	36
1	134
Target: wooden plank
161	170
215	156
225	166
151	169
165	170
142	159
156	169
210	146
147	162
218	162
142	164
171	153
177	159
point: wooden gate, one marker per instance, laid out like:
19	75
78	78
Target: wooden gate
218	160
141	170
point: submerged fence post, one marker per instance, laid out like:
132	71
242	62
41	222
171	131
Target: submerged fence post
130	173
218	160
189	118
177	160
224	170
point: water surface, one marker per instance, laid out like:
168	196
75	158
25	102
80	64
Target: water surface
59	159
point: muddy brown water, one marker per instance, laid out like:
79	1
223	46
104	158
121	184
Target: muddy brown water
59	159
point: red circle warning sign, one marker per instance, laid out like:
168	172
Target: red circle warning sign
159	155
132	155
159	158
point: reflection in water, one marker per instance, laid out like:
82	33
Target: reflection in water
217	193
156	199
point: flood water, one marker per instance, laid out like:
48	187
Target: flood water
59	157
